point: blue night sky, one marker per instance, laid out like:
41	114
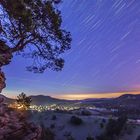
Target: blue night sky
104	58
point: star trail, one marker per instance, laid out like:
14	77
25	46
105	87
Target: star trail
104	58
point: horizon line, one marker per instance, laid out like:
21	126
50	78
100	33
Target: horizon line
81	96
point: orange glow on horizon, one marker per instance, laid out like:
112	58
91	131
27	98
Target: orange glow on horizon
75	96
94	95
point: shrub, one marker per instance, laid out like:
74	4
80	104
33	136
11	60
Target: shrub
90	138
138	138
47	133
104	137
52	126
86	113
101	125
129	130
68	135
113	128
76	120
54	117
96	121
103	120
70	138
23	101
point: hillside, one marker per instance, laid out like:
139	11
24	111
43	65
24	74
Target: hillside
6	99
44	100
39	100
126	100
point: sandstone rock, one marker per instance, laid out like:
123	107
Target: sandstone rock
13	128
5	59
2	80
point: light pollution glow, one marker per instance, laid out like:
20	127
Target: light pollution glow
96	95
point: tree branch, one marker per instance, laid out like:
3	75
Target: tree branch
20	45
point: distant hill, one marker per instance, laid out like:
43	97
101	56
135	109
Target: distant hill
39	100
120	98
44	100
129	100
96	99
126	99
129	97
6	99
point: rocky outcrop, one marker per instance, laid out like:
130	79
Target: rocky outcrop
13	125
5	59
2	80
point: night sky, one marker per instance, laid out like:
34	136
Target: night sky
104	59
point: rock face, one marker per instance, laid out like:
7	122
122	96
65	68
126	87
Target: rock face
13	125
2	80
5	59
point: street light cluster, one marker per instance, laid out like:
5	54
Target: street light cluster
53	107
